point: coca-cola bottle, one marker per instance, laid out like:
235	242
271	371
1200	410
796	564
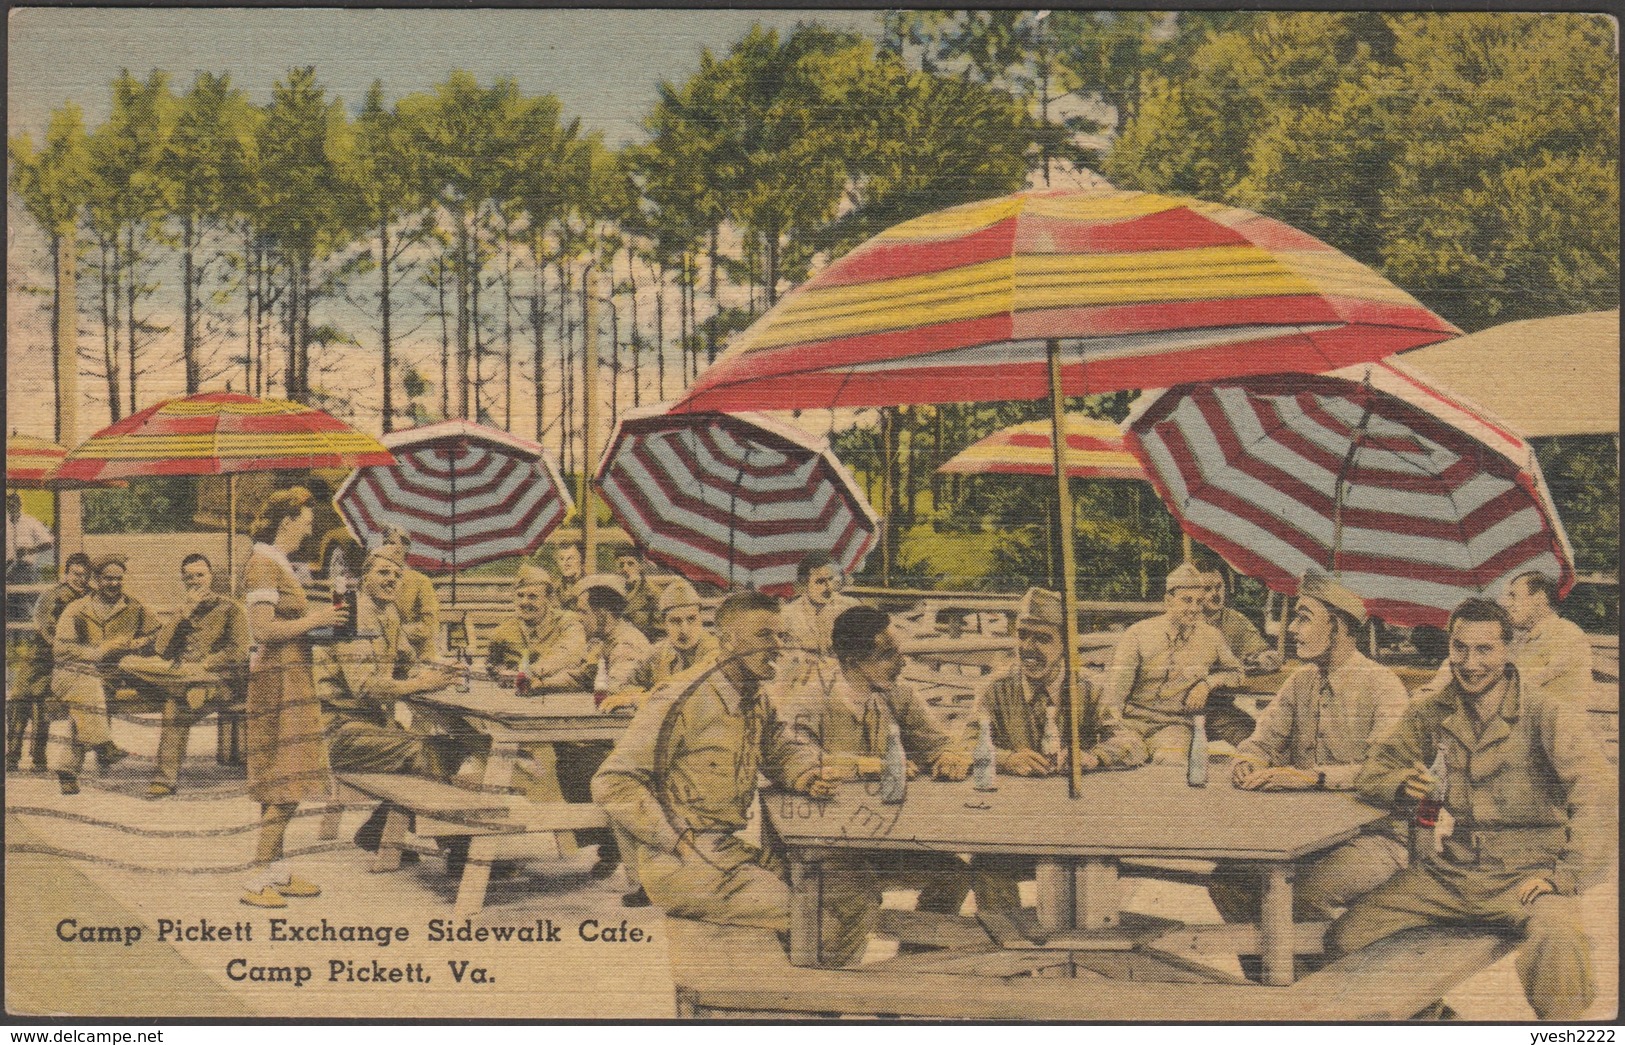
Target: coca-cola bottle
1050	743
1427	809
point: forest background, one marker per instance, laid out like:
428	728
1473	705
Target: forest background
408	255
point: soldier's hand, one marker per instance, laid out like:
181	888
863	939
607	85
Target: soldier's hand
819	782
951	765
1087	760
1242	770
913	770
1196	699
1025	762
626	698
1268	661
326	615
1534	888
1418	783
1281	778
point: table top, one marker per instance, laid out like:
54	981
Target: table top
487	700
1145	812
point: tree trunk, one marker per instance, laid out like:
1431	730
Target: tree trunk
386	345
771	276
109	354
660	332
567	389
129	309
445	338
716	306
461	270
538	314
634	342
189	352
478	346
248	311
507	329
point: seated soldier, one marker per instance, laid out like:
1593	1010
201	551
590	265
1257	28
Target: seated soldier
1020	708
31	690
1164	668
93	634
359	681
197	658
642	600
688	646
683	780
613	642
1315	735
418	603
567	562
851	722
549	641
807	621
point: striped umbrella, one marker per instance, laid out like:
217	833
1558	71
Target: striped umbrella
465	493
28	460
1414	496
733	499
1095	450
1136	290
218	433
1063	293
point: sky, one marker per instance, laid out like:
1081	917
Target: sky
603	65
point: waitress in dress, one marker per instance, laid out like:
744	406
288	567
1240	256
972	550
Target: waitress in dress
287	753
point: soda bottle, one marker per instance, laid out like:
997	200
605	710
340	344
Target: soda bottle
600	682
521	682
1050	744
894	778
985	770
465	672
1196	768
1427	810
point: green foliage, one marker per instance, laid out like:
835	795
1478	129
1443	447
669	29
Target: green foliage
145	506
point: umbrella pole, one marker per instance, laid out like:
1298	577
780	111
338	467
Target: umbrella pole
1080	706
231	530
453	451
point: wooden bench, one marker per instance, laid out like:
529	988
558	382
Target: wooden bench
495	825
732	972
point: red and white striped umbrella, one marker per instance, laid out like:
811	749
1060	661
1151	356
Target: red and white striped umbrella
733	499
1416	497
466	494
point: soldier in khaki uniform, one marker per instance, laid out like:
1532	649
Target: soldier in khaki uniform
1018	708
196	658
851	722
682	782
1530	816
642	600
1315	735
688	646
1244	640
359	681
93	634
1164	669
31	687
550	637
567	560
418	603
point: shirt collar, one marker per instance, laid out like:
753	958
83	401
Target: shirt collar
1051	684
1340	677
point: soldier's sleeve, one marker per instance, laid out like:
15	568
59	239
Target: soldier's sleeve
231	649
626	660
1389	760
923	739
366	674
784	758
1571	659
1272	736
46	612
1592	796
166	634
1226	669
71	642
627	785
326	675
1120	676
1252	643
566	656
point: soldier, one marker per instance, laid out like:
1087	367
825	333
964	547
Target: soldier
568	560
682	782
1529	815
1244	640
851	721
808	619
552	639
359	681
688	646
418	603
92	635
1551	653
1316	734
32	684
1164	669
197	657
642	602
1020	707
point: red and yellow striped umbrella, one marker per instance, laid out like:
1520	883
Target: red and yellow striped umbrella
1138	290
1095	450
28	460
220	433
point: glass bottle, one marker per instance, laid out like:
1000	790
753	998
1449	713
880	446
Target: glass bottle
600	682
894	777
521	682
985	770
1196	768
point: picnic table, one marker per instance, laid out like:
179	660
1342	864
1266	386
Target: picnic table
1080	845
500	823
